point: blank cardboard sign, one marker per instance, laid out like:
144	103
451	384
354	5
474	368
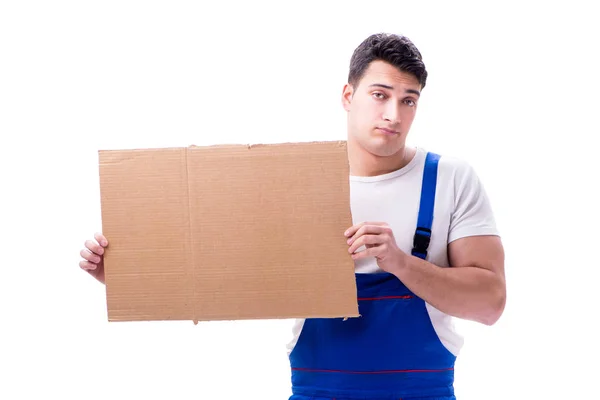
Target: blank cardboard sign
227	232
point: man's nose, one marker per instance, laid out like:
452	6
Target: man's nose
391	113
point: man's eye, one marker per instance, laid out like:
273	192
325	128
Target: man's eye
411	103
378	95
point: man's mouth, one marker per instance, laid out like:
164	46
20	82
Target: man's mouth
388	131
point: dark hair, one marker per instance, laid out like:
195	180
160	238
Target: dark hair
394	49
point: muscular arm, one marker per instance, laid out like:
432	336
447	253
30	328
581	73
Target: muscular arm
473	288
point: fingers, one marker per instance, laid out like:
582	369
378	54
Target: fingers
93	252
370	230
352	230
94	247
372	235
89	256
370	252
367	241
101	239
87	266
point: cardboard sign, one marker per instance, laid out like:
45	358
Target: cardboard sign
227	232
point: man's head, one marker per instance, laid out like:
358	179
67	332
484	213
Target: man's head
386	77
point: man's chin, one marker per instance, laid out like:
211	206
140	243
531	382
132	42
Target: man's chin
383	149
386	153
379	146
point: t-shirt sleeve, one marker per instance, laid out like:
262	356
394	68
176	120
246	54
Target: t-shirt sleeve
473	214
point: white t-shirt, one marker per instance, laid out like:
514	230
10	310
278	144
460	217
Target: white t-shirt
462	208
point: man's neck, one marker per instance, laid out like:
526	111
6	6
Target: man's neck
363	163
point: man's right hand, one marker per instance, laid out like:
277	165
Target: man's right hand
93	256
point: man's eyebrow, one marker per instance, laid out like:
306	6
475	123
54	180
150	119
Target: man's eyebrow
381	85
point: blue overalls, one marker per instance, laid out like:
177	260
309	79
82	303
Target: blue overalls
390	352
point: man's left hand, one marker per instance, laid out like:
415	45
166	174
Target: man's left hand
379	242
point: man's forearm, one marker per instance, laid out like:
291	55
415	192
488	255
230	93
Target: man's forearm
471	293
473	288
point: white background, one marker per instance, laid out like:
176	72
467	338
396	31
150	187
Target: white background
513	89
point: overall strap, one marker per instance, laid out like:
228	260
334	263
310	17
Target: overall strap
423	232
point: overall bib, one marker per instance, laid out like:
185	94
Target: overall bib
390	352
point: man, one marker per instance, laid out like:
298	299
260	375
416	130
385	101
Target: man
425	246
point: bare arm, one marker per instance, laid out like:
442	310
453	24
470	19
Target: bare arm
474	288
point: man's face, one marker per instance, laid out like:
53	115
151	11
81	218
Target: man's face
381	108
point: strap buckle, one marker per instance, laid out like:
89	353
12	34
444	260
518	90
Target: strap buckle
421	242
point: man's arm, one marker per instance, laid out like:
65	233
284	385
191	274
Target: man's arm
473	288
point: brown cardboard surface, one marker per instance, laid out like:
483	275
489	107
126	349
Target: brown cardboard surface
227	232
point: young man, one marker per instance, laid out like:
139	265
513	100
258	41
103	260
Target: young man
425	246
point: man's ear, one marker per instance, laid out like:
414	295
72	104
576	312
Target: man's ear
347	94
